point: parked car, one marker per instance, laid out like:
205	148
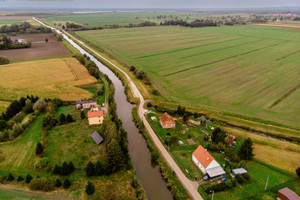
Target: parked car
224	179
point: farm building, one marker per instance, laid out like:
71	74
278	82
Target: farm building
19	41
95	116
85	104
287	194
97	138
206	163
238	171
166	121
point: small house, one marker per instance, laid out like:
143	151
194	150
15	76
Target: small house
287	194
85	104
95	117
97	138
238	171
166	121
206	163
20	41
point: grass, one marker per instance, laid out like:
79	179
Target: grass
9	22
233	69
45	78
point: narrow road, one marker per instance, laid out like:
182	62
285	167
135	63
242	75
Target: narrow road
190	186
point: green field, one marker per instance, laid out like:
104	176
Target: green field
248	70
8	22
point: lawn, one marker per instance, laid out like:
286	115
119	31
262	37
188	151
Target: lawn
45	78
248	70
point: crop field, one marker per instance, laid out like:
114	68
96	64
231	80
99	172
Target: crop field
249	70
39	48
45	78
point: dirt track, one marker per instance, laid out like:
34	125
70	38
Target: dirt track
39	48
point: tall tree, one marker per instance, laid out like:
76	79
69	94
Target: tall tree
90	169
298	171
246	150
114	156
39	149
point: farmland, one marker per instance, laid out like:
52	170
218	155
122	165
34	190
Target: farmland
45	78
248	70
39	48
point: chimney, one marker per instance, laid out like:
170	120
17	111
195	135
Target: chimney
207	157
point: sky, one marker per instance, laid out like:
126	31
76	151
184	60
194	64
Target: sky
147	3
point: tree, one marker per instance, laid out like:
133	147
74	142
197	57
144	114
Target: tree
46	40
17	129
39	149
69	118
114	156
3	125
39	105
49	121
71	167
89	188
218	135
90	169
56	170
28	178
58	183
82	115
298	171
67	183
59	37
10	177
185	118
99	169
62	118
28	106
246	150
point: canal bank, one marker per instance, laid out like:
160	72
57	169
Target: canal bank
148	174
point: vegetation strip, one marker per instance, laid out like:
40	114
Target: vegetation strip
291	54
202	65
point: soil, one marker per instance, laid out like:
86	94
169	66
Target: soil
39	48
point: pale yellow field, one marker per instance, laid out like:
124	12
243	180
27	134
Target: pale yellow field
280	154
45	78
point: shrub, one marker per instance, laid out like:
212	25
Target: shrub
10	177
58	183
20	178
3	60
246	177
155	92
42	184
243	164
298	171
28	178
49	121
69	118
62	118
90	188
239	178
58	102
228	184
42	163
132	68
154	156
17	130
82	115
149	105
67	183
39	149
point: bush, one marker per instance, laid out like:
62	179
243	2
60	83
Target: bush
17	130
154	156
62	118
58	183
39	149
58	102
20	178
82	115
42	163
49	121
70	118
3	60
228	184
155	92
39	105
67	184
246	177
42	184
239	178
243	164
132	68
298	171
149	105
10	177
90	188
28	178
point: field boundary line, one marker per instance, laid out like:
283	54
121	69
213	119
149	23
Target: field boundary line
186	48
213	62
291	54
291	91
71	70
221	49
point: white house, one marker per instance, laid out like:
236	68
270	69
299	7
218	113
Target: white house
206	163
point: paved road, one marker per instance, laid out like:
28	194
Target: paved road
190	186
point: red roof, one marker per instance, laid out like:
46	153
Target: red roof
95	113
167	118
203	156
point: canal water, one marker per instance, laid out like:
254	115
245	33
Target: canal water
147	173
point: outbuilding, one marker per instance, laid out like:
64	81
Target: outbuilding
287	194
97	138
239	171
85	104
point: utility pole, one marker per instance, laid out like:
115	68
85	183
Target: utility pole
267	182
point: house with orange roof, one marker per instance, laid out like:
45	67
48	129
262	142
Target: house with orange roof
95	115
206	163
166	121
